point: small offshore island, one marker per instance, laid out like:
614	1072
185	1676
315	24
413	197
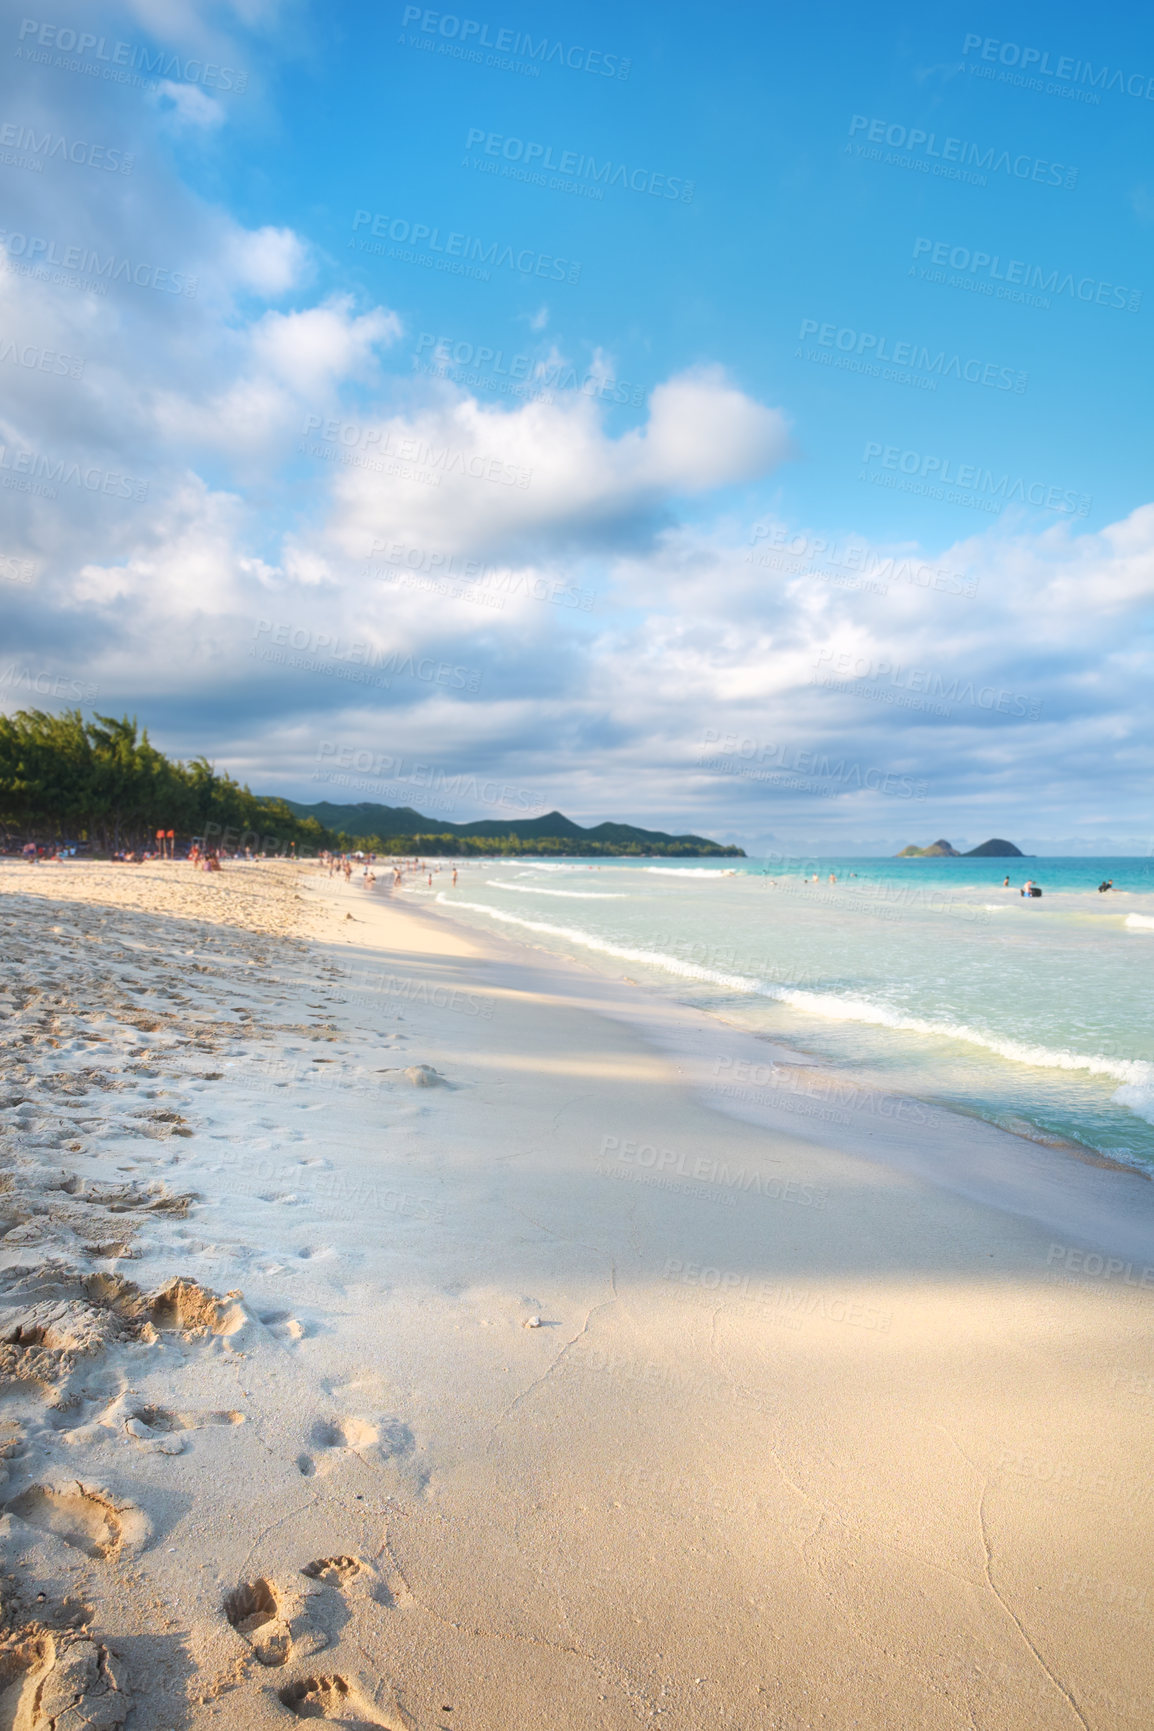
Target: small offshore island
993	849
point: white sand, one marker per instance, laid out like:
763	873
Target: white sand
826	1423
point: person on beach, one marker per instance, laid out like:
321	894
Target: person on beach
1107	885
1005	883
454	877
1028	887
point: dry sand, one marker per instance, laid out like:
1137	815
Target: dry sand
834	1414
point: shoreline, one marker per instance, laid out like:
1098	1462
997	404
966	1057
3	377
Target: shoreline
525	1381
1038	1190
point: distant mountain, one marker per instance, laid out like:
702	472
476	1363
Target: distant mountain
386	821
996	849
936	850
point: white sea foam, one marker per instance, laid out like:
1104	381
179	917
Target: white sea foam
627	953
1137	1074
689	872
572	895
1140	922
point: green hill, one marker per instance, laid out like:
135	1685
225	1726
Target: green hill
389	822
103	784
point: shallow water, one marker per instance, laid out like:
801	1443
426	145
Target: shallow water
1035	1013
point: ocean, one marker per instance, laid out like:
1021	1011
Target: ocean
924	976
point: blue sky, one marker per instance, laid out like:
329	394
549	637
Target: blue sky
771	458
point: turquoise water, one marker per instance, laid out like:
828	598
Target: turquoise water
925	975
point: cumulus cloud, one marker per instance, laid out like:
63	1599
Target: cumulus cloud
311	350
602	580
461	474
704	433
267	261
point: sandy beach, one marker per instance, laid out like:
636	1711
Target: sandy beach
403	1328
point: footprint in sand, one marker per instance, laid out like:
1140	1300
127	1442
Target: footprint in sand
330	1437
157	1428
284	1325
49	1681
336	1699
254	1610
344	1433
334	1571
84	1519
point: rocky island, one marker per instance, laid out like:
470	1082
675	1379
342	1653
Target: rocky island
993	849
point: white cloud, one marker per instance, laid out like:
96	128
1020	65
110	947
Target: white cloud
547	471
313	350
206	398
268	261
703	433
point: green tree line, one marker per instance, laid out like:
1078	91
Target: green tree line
103	782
